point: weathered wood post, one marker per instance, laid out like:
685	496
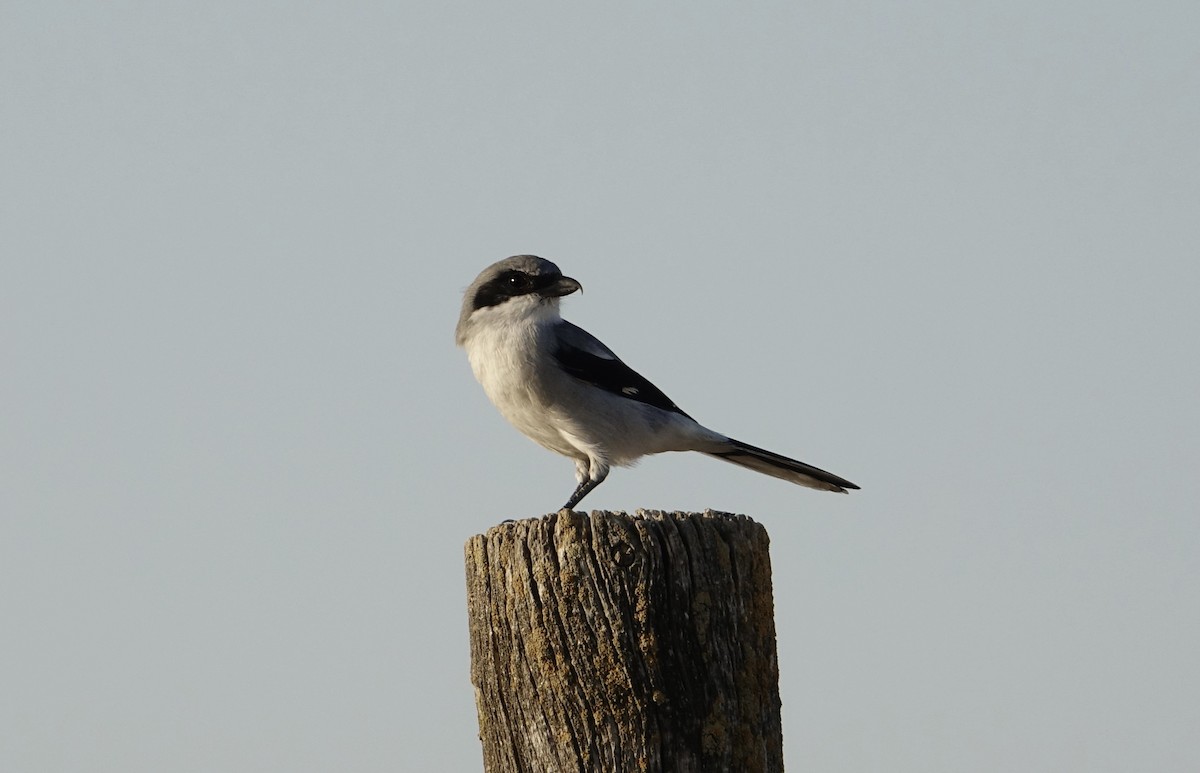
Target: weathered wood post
619	643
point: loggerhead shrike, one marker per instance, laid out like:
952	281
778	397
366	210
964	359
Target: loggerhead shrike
562	388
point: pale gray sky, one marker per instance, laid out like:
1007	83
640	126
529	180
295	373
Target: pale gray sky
947	250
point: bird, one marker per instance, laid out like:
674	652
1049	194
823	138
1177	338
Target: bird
565	390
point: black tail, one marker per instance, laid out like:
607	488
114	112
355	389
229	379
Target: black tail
769	463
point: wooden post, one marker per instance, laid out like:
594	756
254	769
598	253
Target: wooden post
624	643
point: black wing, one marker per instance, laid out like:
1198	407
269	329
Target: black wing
583	356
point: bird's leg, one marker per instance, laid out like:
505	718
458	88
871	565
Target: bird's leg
586	484
581	491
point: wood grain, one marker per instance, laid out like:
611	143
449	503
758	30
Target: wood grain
616	642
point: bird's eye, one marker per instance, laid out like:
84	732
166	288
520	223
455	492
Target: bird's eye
519	281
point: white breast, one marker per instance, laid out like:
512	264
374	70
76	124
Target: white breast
503	350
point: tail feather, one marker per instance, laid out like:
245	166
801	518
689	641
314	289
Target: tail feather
769	463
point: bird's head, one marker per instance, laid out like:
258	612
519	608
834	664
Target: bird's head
519	288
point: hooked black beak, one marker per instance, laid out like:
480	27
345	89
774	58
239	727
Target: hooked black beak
563	285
